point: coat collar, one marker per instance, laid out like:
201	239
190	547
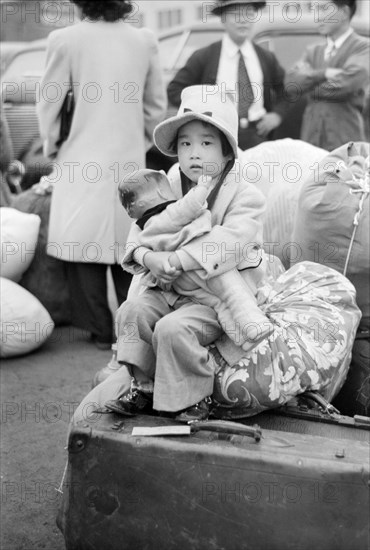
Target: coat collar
339	41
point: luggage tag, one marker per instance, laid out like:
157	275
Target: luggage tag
220	426
162	430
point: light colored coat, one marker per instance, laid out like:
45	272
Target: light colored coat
119	98
236	237
333	113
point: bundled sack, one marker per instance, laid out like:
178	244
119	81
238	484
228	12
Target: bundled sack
332	218
46	277
18	237
25	324
315	318
288	161
279	169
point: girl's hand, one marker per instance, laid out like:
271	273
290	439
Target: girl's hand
205	181
159	265
302	66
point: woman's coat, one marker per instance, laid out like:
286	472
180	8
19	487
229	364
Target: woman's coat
119	99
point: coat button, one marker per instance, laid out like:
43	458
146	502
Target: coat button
215	266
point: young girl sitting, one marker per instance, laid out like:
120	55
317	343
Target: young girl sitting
161	335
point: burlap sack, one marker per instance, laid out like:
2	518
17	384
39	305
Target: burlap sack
332	219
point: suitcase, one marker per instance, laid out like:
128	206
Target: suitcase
297	479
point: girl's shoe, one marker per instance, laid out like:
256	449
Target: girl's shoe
134	402
199	411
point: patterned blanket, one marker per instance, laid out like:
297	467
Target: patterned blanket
315	318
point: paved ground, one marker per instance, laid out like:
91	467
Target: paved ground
39	393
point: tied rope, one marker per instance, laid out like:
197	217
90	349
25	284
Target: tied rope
358	185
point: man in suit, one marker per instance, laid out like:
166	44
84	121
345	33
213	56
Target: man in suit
248	72
335	78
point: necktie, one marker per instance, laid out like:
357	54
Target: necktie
330	51
245	89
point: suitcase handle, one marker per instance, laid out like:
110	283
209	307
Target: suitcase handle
321	401
223	426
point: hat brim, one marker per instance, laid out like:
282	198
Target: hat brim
219	9
166	132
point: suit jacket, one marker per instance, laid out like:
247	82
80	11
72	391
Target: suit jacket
333	113
202	67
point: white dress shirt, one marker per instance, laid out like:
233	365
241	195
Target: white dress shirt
227	74
334	45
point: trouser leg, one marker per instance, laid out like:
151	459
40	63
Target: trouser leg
135	323
122	280
88	291
184	368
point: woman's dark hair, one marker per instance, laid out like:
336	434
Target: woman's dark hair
109	10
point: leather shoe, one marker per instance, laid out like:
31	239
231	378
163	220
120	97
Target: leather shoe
199	411
135	402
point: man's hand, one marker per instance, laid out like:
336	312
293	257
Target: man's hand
302	67
331	73
160	267
268	122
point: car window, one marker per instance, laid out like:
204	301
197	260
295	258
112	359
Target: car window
25	64
265	43
167	48
195	41
289	48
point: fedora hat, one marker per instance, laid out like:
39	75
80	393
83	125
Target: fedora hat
208	104
220	5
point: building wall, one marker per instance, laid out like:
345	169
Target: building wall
33	19
159	15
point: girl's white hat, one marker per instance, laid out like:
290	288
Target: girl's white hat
206	103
